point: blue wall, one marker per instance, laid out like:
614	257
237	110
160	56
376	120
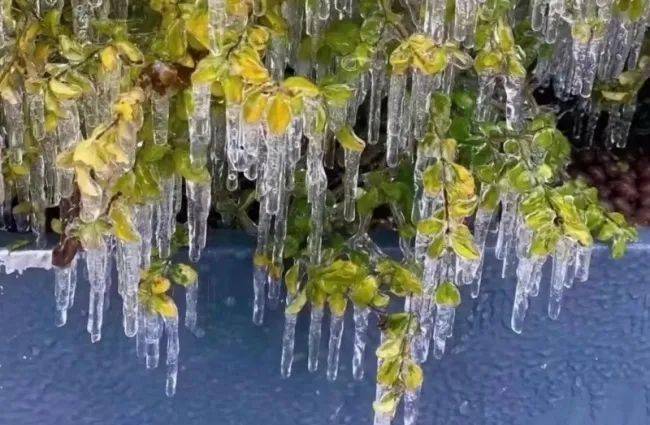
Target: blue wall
590	367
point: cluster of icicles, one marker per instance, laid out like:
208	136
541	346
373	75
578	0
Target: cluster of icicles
228	146
581	58
147	326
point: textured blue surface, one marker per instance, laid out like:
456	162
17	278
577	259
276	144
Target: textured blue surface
589	367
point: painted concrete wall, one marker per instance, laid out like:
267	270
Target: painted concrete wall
590	367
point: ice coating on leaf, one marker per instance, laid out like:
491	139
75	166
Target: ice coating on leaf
381	418
334	347
69	134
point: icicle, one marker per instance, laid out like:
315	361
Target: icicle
15	127
276	57
590	66
166	217
377	75
259	283
96	267
520	304
198	208
69	135
260	272
144	216
273	172
619	124
421	87
434	19
288	341
191	301
411	406
555	12
442	328
82	13
463	19
153	332
350	177
514	101
538	15
216	23
360	340
173	348
37	199
234	142
140	341
316	193
486	85
396	101
582	263
506	232
315	328
128	263
561	259
65	282
482	222
334	347
199	125
160	116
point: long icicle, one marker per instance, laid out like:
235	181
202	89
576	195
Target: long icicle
360	340
334	347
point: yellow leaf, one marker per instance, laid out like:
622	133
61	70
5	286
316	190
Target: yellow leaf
86	184
278	115
129	50
160	285
108	57
197	27
164	305
63	90
301	85
233	88
85	153
123	227
349	140
254	107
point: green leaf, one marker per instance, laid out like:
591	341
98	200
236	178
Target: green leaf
447	295
437	246
183	274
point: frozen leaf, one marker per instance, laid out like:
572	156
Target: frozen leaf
448	295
